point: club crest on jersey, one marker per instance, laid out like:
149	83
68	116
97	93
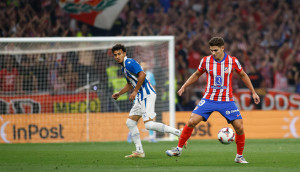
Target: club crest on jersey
218	80
226	70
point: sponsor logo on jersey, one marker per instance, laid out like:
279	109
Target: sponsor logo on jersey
232	111
218	80
218	87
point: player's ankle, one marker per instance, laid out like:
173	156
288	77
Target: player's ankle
179	148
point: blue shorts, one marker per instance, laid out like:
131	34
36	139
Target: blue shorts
227	109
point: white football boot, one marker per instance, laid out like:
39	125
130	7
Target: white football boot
136	154
240	159
174	152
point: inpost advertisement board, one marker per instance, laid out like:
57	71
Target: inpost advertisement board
97	127
257	124
45	128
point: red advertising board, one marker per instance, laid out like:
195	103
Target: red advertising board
76	103
46	103
274	100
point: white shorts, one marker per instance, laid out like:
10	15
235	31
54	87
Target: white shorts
144	108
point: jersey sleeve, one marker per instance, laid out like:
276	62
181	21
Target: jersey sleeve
201	67
237	66
133	66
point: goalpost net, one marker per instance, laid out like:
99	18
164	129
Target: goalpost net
59	89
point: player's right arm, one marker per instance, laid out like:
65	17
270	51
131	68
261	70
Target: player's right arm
125	89
193	78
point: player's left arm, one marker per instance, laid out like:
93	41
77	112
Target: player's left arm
141	79
245	78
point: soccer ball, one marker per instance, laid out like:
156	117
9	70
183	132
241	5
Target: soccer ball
226	135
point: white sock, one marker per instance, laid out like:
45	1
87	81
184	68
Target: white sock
151	125
135	135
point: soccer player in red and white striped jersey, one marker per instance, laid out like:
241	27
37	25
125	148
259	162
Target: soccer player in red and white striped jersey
219	67
219	74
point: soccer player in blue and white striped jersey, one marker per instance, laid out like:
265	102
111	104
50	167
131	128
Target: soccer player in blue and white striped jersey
145	103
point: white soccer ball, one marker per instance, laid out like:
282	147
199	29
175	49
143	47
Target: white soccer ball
226	135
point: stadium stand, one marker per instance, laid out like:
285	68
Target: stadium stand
261	35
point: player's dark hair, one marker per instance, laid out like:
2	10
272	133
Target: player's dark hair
216	41
118	47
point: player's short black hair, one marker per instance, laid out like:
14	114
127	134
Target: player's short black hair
216	41
118	47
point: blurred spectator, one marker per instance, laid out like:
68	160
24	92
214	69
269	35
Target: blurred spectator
55	75
123	105
60	86
280	75
70	78
298	86
41	72
117	84
27	77
9	81
266	68
294	68
258	84
85	63
84	31
149	74
112	73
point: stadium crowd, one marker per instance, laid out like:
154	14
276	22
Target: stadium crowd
263	34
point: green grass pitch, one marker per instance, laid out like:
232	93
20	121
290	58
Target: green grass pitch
202	155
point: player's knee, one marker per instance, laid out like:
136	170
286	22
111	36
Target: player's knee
149	125
191	124
239	130
130	123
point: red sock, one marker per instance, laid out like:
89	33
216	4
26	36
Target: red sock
185	135
240	143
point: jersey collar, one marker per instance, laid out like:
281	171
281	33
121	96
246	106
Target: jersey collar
225	55
125	58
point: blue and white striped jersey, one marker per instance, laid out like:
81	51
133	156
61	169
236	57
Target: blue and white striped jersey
131	68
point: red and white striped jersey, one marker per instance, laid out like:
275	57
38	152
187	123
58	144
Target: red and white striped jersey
219	76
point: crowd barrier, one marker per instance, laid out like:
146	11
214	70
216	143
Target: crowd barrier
97	127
